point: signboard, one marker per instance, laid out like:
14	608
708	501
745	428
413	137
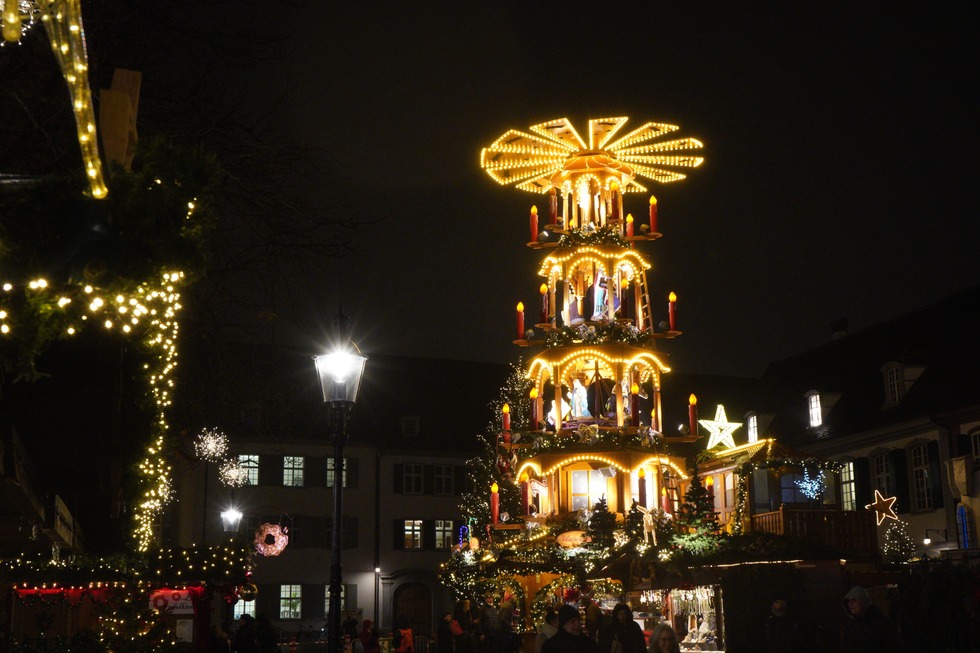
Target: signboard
172	601
571	539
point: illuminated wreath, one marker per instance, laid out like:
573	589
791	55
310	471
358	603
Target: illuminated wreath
271	539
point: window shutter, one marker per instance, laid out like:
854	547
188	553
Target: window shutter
315	471
310	608
899	470
399	478
428	534
428	479
350	532
353	467
459	479
862	482
398	533
270	470
935	476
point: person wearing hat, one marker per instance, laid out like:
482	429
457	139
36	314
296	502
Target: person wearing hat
569	638
869	630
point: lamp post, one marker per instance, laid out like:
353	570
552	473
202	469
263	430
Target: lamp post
340	375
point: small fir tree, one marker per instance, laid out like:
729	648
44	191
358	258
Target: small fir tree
898	545
697	528
601	526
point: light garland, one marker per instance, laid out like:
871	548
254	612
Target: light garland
17	18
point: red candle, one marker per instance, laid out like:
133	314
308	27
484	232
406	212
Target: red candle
665	498
553	196
692	413
525	495
642	478
534	409
629	225
635	404
520	320
534	224
494	504
505	410
544	303
624	297
653	214
672	311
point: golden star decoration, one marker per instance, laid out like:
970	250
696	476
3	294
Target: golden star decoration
884	508
720	428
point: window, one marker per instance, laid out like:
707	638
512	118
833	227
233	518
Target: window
244	607
326	598
847	492
588	486
444	533
290	601
753	428
729	490
975	439
922	499
413	533
894	385
789	490
250	463
883	476
409	426
292	471
330	472
443	479
413	475
816	416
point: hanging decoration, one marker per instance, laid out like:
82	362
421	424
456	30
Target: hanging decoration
211	445
232	474
812	488
720	428
884	508
271	539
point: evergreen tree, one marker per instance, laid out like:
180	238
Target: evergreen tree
601	526
898	545
697	528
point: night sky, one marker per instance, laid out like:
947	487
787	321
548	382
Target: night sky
839	145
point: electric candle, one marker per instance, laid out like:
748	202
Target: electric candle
494	504
534	224
534	409
520	320
642	478
505	410
635	404
525	495
692	413
653	214
544	303
629	225
672	311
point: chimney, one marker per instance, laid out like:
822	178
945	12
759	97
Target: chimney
838	328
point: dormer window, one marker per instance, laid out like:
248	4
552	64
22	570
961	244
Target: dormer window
409	426
816	414
894	385
752	426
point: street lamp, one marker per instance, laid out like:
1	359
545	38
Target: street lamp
340	376
231	518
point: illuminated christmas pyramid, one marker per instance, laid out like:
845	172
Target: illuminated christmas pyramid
581	475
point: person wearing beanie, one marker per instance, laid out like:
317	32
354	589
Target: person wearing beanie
869	630
569	638
547	630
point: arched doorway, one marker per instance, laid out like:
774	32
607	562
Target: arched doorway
414	601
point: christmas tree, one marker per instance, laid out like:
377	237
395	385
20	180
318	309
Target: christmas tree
898	545
698	531
601	526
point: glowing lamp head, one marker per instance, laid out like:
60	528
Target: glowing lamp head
614	185
663	491
534	210
340	375
635	389
505	409
534	393
629	218
524	477
692	400
709	481
231	518
653	201
672	298
641	473
520	307
494	488
544	289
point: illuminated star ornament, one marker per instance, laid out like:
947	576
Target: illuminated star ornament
720	428
884	508
554	153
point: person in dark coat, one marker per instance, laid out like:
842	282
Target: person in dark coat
369	637
464	617
786	631
869	630
444	634
244	640
569	638
623	629
266	635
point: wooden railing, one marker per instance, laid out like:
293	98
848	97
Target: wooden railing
850	532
